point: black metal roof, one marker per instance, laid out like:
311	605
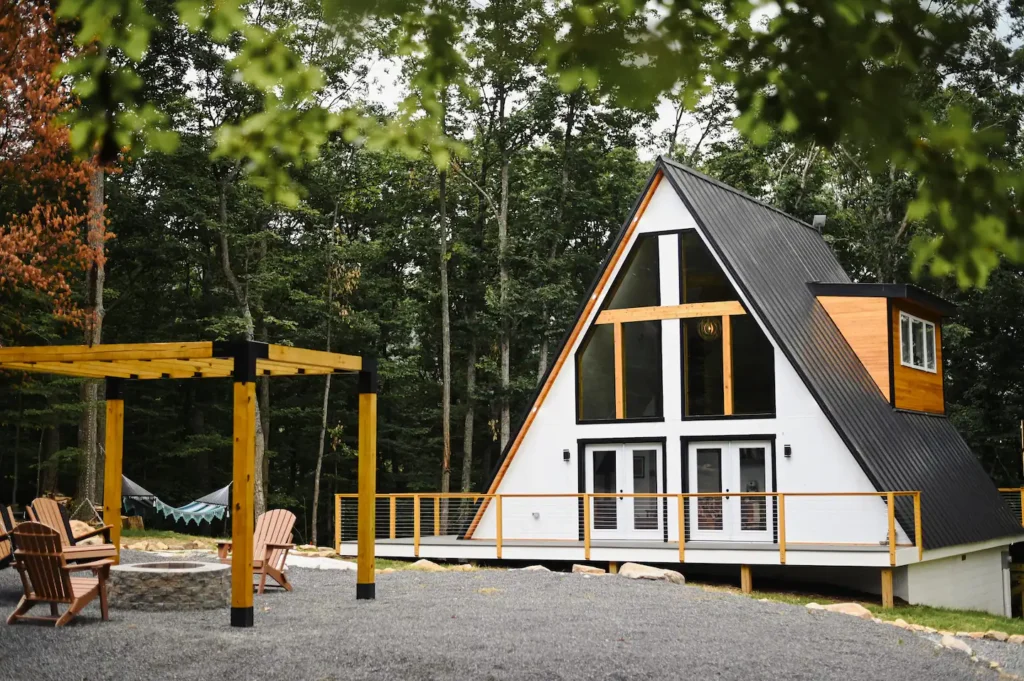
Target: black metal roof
773	257
915	294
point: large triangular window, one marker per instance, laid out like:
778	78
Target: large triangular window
618	365
727	363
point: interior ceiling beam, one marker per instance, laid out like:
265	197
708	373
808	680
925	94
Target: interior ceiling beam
688	311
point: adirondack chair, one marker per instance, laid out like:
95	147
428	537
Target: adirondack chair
50	513
46	576
270	546
6	537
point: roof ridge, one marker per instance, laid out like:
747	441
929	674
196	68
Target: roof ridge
721	185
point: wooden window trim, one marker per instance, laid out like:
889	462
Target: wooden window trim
929	328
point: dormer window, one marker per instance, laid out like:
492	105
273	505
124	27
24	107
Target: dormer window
917	342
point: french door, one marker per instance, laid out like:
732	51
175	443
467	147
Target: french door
625	469
724	467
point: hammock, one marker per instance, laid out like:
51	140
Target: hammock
213	505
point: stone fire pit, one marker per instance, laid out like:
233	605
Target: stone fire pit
170	585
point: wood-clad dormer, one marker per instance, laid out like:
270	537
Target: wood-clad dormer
896	332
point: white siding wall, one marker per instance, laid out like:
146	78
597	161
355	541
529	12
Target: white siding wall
971	581
820	461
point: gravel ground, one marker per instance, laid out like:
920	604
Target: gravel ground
1009	655
487	624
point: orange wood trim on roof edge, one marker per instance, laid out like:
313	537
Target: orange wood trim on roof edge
567	349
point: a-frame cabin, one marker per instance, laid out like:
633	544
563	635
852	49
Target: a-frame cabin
725	383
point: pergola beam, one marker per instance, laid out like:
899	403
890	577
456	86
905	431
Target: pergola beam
71	353
310	359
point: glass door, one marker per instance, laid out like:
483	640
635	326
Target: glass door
624	469
724	467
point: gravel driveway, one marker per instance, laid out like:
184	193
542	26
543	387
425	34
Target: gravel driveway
486	624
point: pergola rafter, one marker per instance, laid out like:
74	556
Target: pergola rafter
242	361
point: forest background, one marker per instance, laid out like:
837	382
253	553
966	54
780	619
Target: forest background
460	280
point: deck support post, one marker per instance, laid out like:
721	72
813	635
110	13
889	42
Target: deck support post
244	482
746	579
112	467
416	525
586	527
365	584
887	596
613	568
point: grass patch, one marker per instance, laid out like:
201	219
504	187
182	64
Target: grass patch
938	618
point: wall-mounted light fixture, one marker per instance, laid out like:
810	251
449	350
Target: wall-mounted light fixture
787	451
565	455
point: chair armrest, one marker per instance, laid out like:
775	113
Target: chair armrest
105	530
224	542
95	565
223	548
281	546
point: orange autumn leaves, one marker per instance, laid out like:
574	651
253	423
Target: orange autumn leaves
44	215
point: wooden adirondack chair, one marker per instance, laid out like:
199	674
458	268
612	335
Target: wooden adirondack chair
53	515
270	546
6	538
46	576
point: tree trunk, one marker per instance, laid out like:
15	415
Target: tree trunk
17	447
197	426
50	466
446	355
327	379
503	282
88	429
259	501
467	429
39	461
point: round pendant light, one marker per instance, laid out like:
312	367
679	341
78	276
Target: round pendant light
709	328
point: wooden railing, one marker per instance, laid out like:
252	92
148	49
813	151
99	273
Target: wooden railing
579	517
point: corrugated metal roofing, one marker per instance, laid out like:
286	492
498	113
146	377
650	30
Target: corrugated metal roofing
773	257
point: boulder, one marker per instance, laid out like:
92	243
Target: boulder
139	546
532	568
855	609
587	569
639	571
194	544
158	546
463	567
814	606
80	528
996	635
901	623
425	565
1016	638
976	635
953	643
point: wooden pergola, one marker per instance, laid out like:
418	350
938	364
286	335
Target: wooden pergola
243	361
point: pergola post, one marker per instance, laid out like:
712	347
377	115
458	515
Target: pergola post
365	586
112	468
244	474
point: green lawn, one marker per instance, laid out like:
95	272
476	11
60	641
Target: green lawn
938	618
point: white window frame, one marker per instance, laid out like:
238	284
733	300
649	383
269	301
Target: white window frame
929	329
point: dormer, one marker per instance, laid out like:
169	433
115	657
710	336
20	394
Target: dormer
896	331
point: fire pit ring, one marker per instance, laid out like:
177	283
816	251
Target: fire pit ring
170	585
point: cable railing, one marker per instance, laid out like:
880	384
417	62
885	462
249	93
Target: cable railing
783	521
1014	498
